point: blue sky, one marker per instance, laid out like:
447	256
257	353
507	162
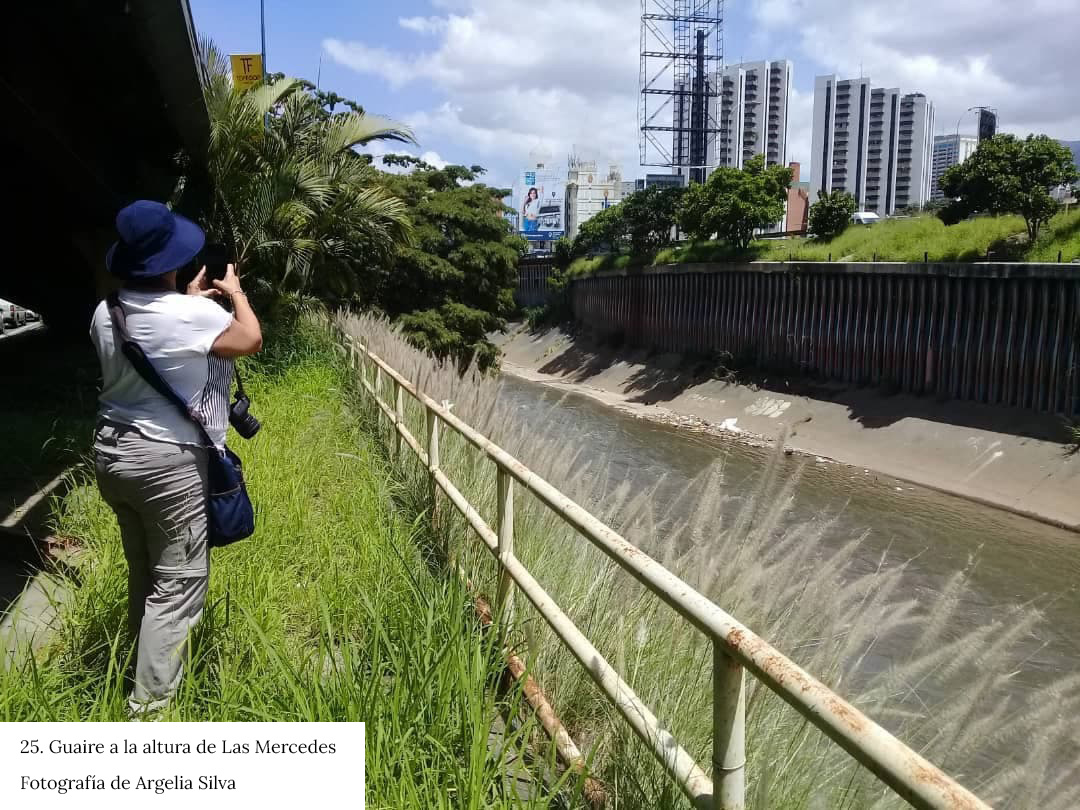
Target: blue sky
497	82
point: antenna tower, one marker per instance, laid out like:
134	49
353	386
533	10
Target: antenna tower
682	50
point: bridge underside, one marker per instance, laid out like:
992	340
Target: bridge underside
99	98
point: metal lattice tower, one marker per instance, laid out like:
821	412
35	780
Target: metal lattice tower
682	50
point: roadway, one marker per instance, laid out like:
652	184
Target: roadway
9	332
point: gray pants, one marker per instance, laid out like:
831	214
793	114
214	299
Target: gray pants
158	491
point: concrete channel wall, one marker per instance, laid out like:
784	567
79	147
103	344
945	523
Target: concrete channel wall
995	333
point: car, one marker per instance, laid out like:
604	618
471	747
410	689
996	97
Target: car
14	315
32	316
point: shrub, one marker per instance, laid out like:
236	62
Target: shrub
831	214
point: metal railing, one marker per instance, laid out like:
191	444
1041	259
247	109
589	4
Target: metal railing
735	647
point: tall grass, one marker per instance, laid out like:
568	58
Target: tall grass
947	696
894	240
329	612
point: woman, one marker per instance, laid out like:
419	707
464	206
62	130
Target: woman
150	461
530	211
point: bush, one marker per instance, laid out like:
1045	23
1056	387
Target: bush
831	214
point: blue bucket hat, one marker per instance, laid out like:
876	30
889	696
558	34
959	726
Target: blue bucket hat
153	241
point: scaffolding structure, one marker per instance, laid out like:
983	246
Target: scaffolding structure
682	53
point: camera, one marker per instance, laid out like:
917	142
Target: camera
242	420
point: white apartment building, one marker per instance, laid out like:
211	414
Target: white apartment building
588	192
949	150
875	144
752	113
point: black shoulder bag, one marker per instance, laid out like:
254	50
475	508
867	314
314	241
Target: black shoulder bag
230	514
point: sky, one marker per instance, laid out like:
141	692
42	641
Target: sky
501	83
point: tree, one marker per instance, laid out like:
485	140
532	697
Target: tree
454	285
648	217
301	210
733	203
831	214
1006	175
605	230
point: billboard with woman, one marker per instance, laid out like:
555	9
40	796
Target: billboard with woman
540	205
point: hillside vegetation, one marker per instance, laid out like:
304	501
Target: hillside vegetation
896	240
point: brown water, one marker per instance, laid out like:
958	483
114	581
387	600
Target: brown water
1019	561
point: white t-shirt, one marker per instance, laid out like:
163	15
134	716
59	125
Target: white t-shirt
176	332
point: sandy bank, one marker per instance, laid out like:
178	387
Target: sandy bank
1007	458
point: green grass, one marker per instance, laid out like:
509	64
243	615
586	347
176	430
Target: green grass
893	240
330	612
946	693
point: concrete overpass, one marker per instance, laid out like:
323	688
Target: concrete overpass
100	97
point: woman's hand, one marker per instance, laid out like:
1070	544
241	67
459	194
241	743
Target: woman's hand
199	287
230	285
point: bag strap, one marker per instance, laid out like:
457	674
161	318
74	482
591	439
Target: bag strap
135	354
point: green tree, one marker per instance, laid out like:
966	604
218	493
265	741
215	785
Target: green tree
454	285
648	218
302	211
1006	175
831	214
605	230
733	203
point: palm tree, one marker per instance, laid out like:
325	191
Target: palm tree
299	207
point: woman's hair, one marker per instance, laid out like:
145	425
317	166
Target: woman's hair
532	191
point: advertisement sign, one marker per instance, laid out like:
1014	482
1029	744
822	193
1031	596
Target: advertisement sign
987	124
247	70
540	204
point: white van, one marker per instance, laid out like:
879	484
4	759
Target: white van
865	218
14	315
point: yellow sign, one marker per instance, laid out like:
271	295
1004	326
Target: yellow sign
247	70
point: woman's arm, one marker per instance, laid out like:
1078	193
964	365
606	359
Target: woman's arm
244	335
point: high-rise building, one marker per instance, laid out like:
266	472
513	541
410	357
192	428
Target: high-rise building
588	192
949	150
873	143
752	112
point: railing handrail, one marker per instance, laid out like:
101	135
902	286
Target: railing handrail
909	774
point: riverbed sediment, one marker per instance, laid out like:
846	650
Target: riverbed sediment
1004	457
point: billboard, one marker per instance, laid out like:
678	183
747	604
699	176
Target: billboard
987	124
247	69
540	204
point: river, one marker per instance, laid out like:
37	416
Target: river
1019	561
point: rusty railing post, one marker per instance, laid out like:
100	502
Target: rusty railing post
504	600
433	460
378	395
399	417
729	731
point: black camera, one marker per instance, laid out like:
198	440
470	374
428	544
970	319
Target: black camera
242	420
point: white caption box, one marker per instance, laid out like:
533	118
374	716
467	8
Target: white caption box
165	765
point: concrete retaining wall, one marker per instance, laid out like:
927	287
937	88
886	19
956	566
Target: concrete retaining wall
994	333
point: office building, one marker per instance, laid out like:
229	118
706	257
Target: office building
588	192
798	202
752	113
949	150
874	143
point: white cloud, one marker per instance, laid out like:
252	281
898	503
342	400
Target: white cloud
423	25
514	82
1019	58
567	80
